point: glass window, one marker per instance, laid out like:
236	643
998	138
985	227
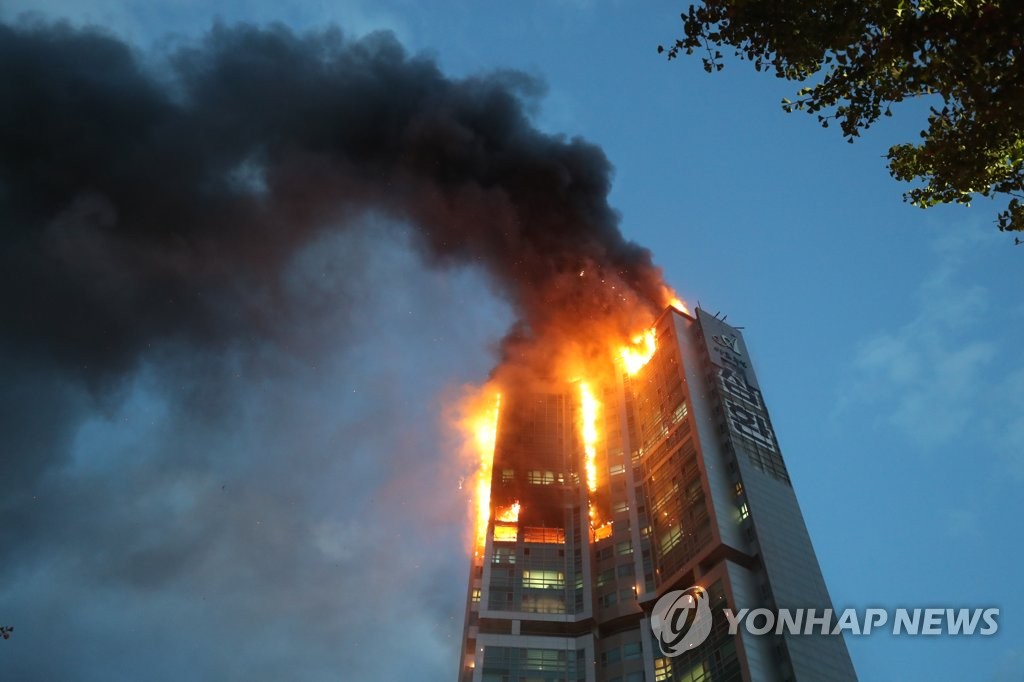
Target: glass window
543	579
505	532
537	477
554	536
695	674
543	659
679	413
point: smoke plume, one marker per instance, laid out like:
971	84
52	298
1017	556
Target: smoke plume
143	205
186	458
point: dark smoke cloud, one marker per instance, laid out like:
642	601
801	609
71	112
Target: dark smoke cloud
219	448
141	206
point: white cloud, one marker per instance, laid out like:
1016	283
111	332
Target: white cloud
949	370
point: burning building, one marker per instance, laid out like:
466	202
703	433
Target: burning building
622	449
599	495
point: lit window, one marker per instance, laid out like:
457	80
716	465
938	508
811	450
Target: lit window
543	477
671	538
543	579
744	512
506	532
553	536
542	659
476	595
617	469
662	669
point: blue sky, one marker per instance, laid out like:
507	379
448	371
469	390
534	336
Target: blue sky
886	338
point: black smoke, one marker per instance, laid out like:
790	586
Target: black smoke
141	205
219	456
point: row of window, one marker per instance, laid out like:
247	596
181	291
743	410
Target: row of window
549	660
612	598
622	571
543	579
627	652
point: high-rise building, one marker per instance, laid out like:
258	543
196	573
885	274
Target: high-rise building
680	483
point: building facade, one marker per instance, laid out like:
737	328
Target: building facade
690	489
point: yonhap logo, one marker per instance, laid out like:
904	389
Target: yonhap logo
681	620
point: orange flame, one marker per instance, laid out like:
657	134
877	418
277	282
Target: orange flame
588	431
671	298
589	407
602	531
593	370
509	514
639	354
482	428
